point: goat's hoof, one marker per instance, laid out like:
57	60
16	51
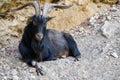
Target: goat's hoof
77	58
40	71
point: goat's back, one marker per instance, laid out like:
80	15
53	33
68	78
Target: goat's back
58	42
57	39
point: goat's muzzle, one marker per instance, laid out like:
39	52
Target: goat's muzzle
38	36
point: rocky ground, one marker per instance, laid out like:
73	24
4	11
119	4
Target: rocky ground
98	40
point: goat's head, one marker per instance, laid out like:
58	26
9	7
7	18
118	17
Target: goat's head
38	24
39	20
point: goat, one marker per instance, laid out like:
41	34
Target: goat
41	44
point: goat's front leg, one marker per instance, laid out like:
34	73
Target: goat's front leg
27	55
38	69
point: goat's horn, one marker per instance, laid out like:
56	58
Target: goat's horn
50	5
35	4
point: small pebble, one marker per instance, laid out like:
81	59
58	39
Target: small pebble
67	61
19	68
32	70
3	49
115	55
15	78
14	72
119	20
32	76
24	64
109	17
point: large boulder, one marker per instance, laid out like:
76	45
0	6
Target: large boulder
111	29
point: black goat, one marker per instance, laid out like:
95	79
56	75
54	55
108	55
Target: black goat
41	44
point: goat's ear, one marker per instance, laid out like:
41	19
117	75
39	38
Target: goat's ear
29	20
49	18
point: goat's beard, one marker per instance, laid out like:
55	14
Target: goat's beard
37	48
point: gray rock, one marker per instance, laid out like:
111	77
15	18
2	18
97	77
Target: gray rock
15	77
115	55
32	77
109	29
14	72
109	17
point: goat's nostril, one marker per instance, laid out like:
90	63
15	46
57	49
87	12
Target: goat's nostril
39	36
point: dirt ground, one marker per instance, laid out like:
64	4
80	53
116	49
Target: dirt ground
98	40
